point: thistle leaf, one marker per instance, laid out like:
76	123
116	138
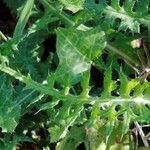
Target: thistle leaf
76	51
129	19
109	84
73	5
9	114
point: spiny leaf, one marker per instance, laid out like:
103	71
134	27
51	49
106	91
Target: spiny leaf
76	50
140	88
96	8
73	5
126	85
95	113
129	19
65	119
9	114
26	54
58	12
109	84
75	137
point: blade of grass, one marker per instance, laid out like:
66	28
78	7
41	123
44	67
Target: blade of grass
25	14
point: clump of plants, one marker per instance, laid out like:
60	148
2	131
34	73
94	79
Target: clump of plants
74	74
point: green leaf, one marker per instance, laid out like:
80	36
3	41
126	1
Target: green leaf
124	83
57	11
126	123
95	135
140	88
96	8
26	55
85	84
12	6
51	80
73	5
95	113
128	5
48	105
76	50
129	19
8	144
142	112
115	4
142	7
66	117
43	22
109	84
25	14
126	86
57	132
75	137
9	114
146	92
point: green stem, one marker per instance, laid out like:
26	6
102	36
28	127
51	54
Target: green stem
122	54
44	89
62	16
29	82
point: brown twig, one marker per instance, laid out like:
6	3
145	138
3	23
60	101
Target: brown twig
141	133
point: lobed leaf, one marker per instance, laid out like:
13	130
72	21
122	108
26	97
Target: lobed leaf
129	19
